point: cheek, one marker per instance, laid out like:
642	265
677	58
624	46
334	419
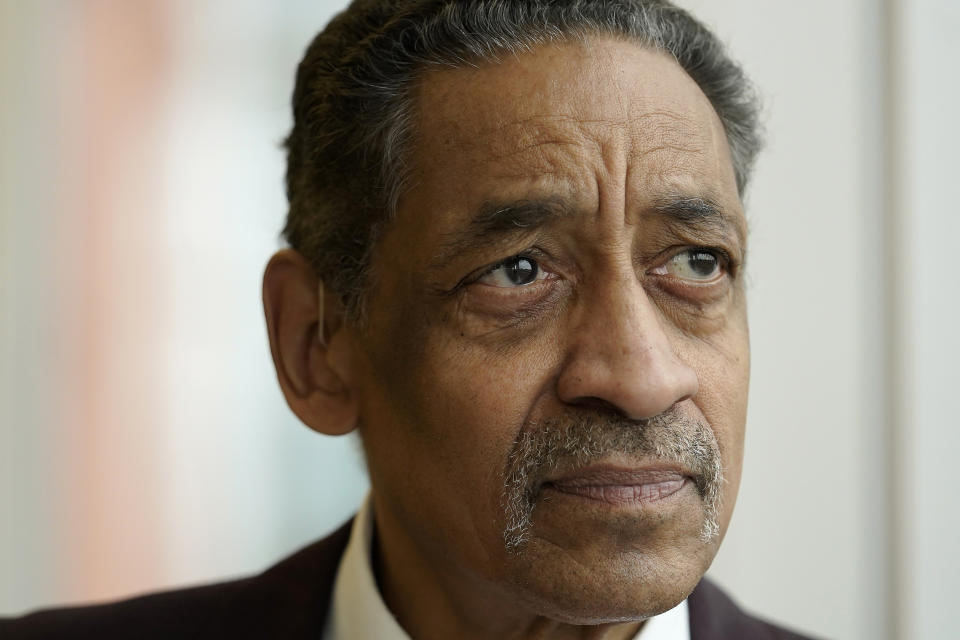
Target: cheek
440	417
450	375
449	403
722	363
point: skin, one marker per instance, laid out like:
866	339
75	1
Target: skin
454	360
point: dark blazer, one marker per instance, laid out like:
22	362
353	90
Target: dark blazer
291	600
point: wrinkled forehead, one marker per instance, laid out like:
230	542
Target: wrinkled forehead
564	107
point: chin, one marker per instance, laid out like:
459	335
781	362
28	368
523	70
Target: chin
584	588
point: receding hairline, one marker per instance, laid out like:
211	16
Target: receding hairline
428	87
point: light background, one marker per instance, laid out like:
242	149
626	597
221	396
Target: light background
144	442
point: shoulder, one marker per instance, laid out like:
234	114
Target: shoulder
713	616
288	600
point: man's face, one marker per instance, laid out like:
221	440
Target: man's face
554	369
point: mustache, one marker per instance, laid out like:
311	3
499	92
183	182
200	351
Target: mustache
576	440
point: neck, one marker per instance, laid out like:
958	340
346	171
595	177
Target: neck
431	599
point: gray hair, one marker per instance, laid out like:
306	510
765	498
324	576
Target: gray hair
575	440
353	104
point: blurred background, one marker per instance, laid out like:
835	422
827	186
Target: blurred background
144	442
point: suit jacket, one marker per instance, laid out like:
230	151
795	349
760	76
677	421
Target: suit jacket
291	600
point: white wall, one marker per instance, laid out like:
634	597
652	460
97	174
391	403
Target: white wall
803	548
845	521
144	442
928	226
229	431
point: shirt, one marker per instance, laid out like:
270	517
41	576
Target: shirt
358	611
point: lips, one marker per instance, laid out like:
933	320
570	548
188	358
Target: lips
620	486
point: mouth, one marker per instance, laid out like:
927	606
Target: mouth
620	486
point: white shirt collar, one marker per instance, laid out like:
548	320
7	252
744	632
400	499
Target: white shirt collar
669	625
358	611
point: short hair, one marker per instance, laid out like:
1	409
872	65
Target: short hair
353	105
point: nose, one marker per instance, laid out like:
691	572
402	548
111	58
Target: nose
619	355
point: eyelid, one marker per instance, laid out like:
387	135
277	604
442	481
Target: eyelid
534	253
725	261
497	275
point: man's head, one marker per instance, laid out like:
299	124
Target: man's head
538	205
355	113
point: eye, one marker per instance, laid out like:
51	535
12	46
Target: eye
699	265
516	271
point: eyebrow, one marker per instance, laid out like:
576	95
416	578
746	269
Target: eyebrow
495	220
498	219
699	212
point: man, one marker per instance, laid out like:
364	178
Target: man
516	269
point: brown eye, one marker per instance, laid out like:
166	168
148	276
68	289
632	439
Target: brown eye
701	263
693	264
516	271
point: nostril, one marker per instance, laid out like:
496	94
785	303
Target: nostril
598	404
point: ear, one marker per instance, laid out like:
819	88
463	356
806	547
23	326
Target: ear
310	345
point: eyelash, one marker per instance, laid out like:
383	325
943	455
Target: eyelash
533	253
724	260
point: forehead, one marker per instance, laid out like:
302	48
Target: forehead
587	118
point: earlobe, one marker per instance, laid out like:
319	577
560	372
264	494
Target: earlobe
311	350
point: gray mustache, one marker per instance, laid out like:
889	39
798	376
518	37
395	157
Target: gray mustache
577	440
